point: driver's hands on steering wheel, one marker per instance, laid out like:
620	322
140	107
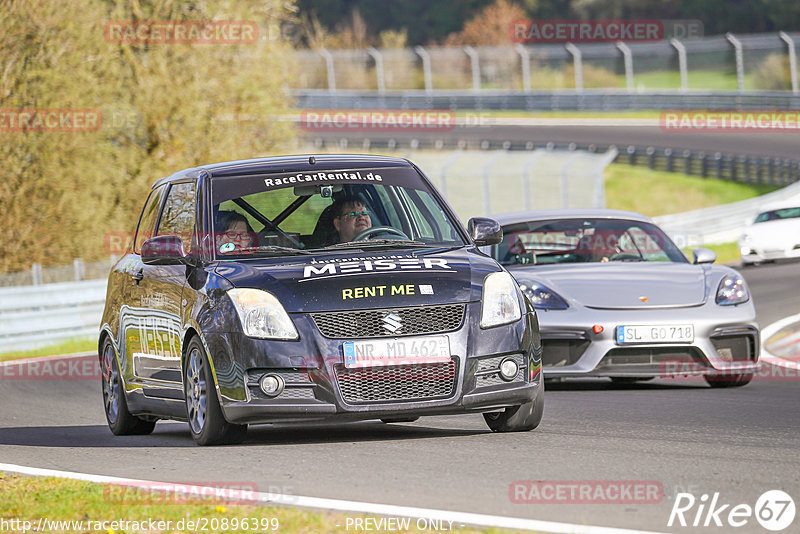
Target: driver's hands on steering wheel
364	235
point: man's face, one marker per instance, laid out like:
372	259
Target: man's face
352	221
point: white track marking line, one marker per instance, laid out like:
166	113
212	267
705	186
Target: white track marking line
458	518
770	330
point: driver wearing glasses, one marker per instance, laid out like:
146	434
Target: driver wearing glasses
351	217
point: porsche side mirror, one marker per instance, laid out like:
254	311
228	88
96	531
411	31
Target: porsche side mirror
703	255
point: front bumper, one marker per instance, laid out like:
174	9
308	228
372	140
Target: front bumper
751	254
725	339
318	387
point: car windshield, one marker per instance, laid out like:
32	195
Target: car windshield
774	215
294	213
585	241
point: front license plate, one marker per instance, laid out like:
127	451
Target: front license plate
669	333
409	350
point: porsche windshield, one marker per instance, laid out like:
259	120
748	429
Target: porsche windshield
585	241
292	213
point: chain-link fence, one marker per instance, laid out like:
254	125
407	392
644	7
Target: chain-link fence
752	62
76	271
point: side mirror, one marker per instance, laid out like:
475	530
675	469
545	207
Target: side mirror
484	231
703	255
163	250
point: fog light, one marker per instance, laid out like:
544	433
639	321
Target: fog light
508	369
271	385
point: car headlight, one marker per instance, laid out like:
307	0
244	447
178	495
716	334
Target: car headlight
262	314
542	297
732	290
499	304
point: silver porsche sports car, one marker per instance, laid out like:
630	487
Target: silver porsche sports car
617	298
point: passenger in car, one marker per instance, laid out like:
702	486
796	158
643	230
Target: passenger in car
233	232
350	217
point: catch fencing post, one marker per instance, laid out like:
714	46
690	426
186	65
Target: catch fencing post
486	205
681	63
426	67
79	269
628	60
36	274
577	63
525	60
445	167
378	57
737	50
792	59
599	180
526	176
330	68
476	67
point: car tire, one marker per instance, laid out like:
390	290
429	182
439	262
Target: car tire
203	411
728	381
120	420
518	418
389	420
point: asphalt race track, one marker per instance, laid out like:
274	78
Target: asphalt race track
680	434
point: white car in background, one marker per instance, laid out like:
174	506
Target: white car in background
773	235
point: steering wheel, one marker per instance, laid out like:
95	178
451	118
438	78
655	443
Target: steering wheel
622	256
362	236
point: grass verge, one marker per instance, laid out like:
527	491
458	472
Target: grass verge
88	505
69	346
654	192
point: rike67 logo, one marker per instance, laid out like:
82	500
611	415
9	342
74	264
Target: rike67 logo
774	510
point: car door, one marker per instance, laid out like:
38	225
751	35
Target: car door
155	323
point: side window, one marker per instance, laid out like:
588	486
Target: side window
149	216
179	213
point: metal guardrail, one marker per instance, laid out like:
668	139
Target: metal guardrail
720	224
743	168
566	100
34	316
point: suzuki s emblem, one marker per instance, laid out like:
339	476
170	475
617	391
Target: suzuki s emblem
392	323
643	299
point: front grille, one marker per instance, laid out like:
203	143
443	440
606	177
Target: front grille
665	357
370	323
397	383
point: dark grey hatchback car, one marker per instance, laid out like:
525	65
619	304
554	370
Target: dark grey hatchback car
312	288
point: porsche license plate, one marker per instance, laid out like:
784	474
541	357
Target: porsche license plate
670	333
397	351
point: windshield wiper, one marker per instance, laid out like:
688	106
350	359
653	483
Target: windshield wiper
377	242
275	248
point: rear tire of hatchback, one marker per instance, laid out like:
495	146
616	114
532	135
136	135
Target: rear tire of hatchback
203	412
120	420
518	418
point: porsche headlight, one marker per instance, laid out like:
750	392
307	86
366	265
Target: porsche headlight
262	315
732	290
499	304
542	297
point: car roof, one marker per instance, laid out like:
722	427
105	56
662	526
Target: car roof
279	164
588	213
